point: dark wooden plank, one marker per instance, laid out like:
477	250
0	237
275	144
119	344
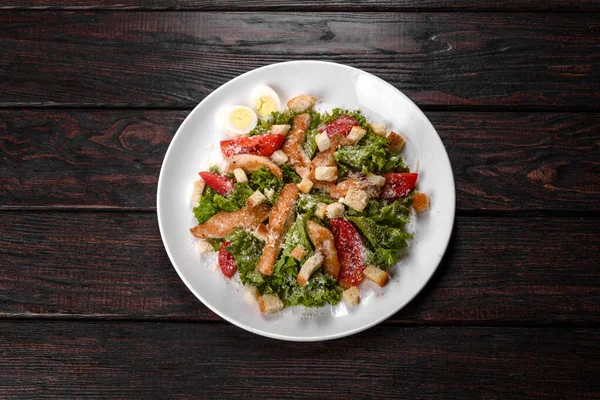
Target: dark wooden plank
112	158
174	59
271	5
113	265
148	360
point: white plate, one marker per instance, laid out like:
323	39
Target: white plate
334	85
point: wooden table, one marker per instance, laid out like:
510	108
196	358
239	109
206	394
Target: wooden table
91	94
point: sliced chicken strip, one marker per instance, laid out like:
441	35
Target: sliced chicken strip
324	242
224	223
280	219
251	163
293	146
341	189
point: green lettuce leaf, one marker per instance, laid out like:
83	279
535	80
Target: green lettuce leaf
386	242
310	145
289	175
212	203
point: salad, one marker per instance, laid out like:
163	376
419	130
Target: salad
307	204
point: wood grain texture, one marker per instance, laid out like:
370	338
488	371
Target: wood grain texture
112	158
311	5
174	59
113	265
148	360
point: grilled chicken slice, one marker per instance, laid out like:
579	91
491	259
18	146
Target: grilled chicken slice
293	146
224	223
251	163
280	219
324	242
341	189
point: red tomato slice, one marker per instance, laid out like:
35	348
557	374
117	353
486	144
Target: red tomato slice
261	145
351	252
227	260
218	183
342	125
398	184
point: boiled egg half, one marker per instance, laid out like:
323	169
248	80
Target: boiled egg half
237	120
265	101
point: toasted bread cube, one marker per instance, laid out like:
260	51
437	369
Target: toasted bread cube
240	175
298	253
256	199
261	232
280	129
356	198
309	267
197	193
328	174
269	303
205	247
374	274
251	294
301	103
306	185
320	210
270	193
421	202
279	157
334	210
379	129
397	142
356	133
376	180
322	140
351	296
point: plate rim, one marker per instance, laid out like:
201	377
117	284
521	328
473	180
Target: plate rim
277	336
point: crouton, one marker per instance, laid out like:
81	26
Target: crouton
322	140
270	193
309	267
379	129
334	210
197	192
306	185
397	142
374	274
356	133
376	180
421	202
251	294
256	199
356	198
351	296
298	253
269	303
279	157
320	210
280	129
261	232
301	103
205	247
328	174
240	175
